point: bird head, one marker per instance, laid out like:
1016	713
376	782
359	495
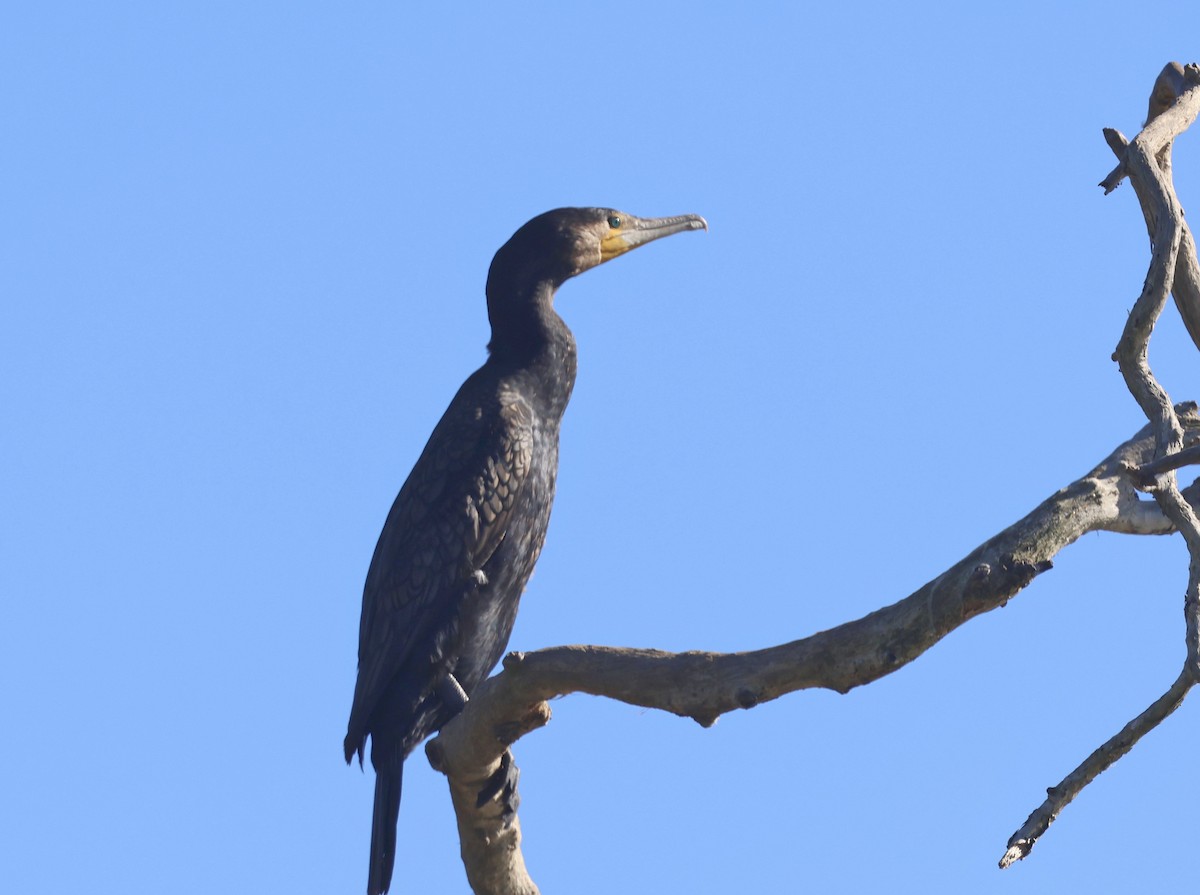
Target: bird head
560	244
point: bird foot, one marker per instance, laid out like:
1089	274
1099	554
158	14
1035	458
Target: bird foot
502	787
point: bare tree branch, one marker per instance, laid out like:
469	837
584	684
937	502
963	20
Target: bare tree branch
489	832
1174	104
703	685
1168	88
1146	476
1058	797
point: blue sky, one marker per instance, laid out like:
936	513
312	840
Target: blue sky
243	263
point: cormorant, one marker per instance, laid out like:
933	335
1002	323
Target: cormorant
462	537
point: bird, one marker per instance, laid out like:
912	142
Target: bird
462	537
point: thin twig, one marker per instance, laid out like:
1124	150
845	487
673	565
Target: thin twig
1146	475
1058	797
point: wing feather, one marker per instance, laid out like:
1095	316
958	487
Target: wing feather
447	521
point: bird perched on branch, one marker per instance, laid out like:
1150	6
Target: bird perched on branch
462	537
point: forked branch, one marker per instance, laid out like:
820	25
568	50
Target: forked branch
703	686
1174	105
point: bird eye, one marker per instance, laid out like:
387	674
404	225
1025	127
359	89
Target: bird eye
614	221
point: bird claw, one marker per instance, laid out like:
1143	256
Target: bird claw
502	786
451	693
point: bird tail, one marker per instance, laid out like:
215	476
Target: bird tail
383	828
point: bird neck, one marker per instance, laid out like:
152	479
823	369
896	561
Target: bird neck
530	340
525	326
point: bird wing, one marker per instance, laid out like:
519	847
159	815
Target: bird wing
447	521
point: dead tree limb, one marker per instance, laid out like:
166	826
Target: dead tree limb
703	686
1171	84
1174	105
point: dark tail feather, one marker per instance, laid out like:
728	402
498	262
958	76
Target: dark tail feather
383	828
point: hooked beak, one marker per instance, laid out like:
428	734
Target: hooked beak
634	232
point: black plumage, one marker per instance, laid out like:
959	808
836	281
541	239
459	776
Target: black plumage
462	537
